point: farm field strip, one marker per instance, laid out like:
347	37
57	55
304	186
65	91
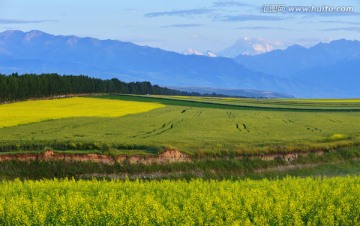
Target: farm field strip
40	110
279	104
294	201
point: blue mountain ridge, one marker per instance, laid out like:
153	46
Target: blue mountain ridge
39	52
331	69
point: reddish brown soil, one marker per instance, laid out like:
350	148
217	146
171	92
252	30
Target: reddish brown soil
168	156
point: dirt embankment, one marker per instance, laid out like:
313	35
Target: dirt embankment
287	157
169	156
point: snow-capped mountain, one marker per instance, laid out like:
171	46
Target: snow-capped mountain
198	53
250	46
211	54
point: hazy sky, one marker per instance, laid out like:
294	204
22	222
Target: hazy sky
180	24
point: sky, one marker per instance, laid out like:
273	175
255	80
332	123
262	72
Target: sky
177	25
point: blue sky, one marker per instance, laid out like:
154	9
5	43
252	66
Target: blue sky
180	24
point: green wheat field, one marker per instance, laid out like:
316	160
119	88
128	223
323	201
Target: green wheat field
190	125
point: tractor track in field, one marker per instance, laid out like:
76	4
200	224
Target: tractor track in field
306	126
239	125
242	127
197	114
158	131
184	110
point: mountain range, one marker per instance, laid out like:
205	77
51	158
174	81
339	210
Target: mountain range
39	52
331	69
234	92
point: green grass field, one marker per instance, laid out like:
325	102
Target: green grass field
274	104
204	126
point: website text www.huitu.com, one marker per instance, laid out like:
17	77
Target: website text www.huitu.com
281	8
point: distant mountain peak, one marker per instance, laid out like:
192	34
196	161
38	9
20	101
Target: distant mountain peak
249	46
9	33
211	54
72	41
192	52
35	32
295	47
23	36
32	35
198	53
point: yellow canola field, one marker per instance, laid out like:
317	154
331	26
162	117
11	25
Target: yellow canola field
40	110
291	201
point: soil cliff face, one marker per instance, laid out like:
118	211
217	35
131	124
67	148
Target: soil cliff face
168	156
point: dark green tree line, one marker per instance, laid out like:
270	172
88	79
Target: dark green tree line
21	87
